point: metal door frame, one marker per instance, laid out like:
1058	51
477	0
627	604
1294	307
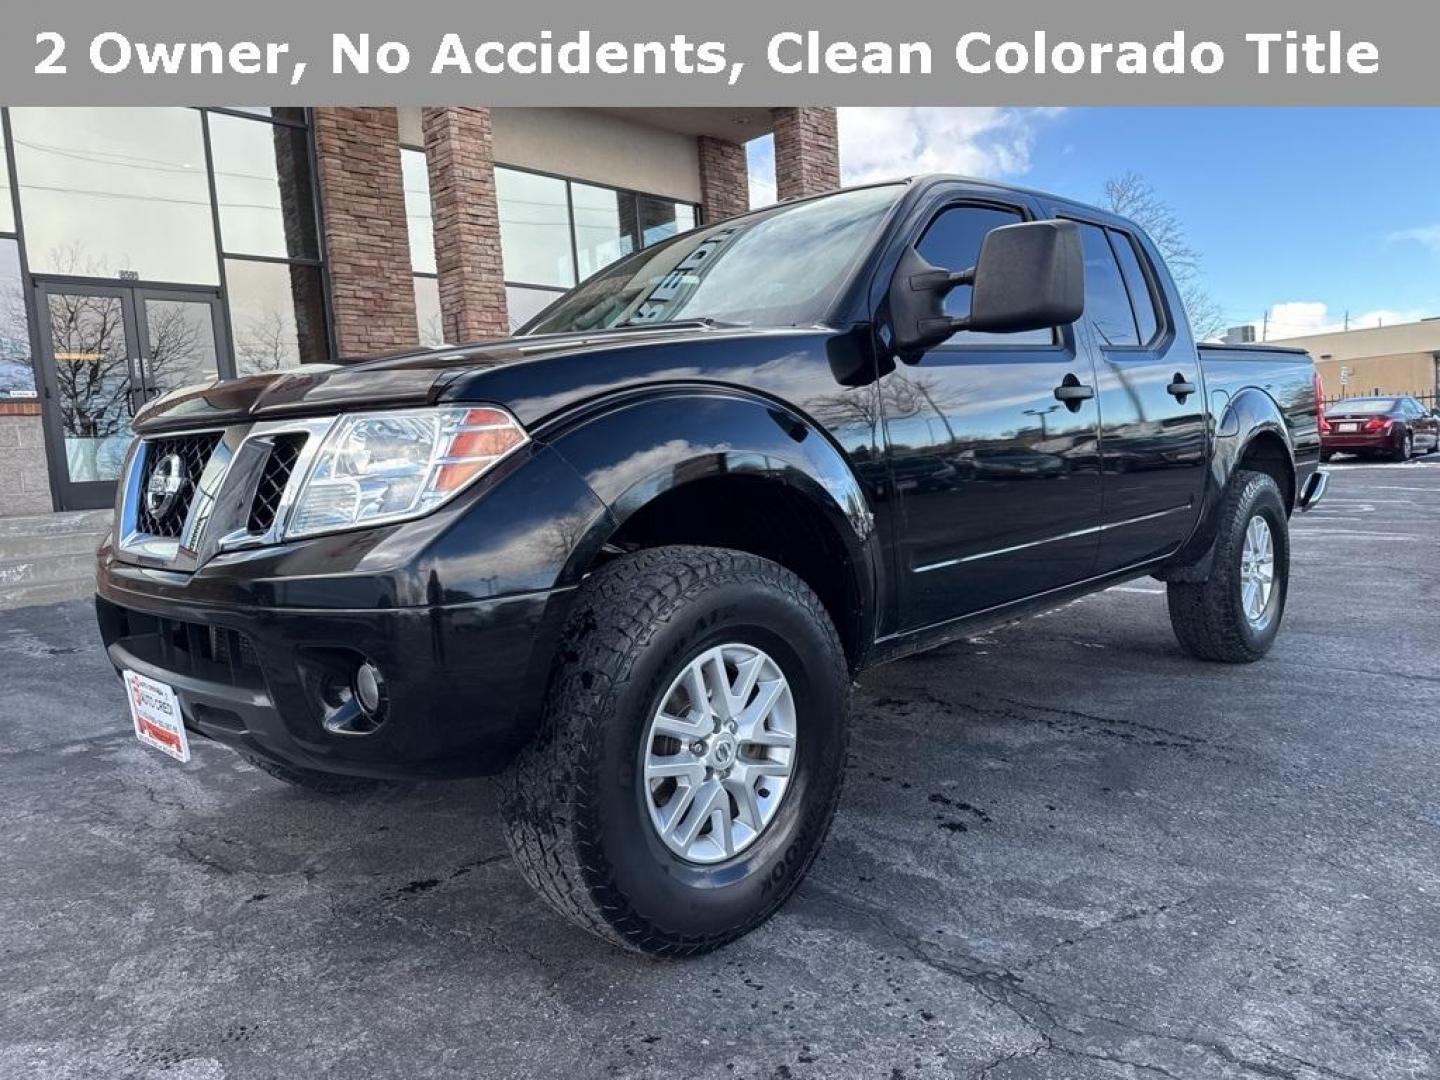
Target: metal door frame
98	494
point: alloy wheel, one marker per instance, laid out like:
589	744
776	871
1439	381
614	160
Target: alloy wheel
1257	570
719	753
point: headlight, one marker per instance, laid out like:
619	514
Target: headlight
388	466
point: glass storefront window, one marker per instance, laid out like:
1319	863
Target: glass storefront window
524	304
90	340
277	315
181	344
539	224
106	191
427	312
17	374
7	202
604	226
418	221
292	114
263	187
534	229
661	218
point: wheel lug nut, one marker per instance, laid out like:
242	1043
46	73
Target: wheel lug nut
698	746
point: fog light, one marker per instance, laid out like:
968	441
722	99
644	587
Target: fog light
370	688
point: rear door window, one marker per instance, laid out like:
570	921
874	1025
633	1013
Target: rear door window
1107	302
1142	297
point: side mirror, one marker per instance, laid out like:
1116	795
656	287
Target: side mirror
1030	276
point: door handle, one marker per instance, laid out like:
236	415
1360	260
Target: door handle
1179	389
1072	392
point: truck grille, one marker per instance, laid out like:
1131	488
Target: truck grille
194	452
271	489
192	650
246	473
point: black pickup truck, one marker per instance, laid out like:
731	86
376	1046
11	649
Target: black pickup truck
632	558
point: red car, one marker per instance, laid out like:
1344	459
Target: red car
1395	426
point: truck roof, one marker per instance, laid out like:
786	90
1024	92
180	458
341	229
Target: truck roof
927	179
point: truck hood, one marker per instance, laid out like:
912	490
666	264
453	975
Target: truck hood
533	377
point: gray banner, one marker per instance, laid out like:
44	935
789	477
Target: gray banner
742	52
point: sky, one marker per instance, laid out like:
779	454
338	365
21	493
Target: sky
1304	213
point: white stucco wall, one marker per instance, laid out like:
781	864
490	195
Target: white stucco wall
591	145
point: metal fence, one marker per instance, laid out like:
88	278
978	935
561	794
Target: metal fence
1430	401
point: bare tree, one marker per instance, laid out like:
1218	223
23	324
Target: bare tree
181	346
1131	196
265	343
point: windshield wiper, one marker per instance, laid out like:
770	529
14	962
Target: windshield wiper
704	320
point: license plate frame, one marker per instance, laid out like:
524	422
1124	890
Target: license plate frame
155	712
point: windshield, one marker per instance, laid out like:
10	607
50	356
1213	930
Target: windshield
781	267
1362	406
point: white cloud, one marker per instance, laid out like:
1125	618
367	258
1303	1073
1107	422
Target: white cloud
888	143
1301	318
1428	235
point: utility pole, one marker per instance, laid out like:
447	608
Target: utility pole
1347	318
1265	327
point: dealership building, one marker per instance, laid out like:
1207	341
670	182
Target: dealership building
1402	358
142	249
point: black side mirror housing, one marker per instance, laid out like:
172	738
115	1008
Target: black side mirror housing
1031	276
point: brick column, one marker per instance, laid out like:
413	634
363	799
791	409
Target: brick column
807	152
724	178
371	285
461	164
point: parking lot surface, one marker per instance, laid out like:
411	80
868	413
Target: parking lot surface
1064	850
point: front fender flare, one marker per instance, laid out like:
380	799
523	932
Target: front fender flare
637	448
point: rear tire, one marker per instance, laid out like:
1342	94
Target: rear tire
1405	450
322	783
1219	618
582	809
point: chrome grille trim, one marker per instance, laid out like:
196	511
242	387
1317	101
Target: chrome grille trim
219	512
264	435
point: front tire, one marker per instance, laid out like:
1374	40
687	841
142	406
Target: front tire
1234	615
588	802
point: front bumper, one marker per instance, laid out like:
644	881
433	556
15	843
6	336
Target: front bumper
463	682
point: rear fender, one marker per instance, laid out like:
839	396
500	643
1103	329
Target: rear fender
1249	415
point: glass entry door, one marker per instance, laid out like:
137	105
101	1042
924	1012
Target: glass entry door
105	351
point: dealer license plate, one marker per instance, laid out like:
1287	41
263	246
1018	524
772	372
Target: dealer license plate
156	712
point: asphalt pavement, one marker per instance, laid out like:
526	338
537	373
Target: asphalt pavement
1064	850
